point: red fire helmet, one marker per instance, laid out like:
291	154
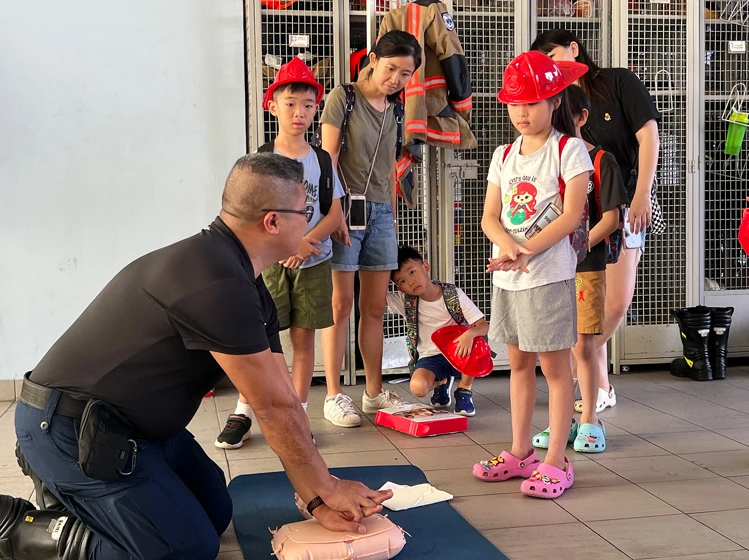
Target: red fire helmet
277	4
477	364
532	77
294	72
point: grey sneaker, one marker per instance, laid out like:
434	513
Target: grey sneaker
386	399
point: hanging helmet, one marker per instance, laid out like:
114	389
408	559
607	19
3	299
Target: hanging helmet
533	76
293	72
477	364
277	4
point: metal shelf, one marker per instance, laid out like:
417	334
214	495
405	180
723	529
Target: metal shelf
567	19
722	22
677	17
668	92
465	13
295	13
717	97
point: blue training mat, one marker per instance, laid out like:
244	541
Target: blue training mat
438	532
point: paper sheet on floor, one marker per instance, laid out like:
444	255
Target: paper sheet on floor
407	497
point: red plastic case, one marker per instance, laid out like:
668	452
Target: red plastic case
421	420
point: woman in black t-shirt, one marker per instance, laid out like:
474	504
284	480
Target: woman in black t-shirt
623	121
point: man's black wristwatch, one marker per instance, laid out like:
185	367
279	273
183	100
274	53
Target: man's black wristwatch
314	504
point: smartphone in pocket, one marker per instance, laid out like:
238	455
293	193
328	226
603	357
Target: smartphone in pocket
357	218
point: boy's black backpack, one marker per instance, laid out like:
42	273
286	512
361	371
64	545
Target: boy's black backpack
398	108
326	175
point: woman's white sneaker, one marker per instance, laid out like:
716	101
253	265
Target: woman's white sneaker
339	411
386	399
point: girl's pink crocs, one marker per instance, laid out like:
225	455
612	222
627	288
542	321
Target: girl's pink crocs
506	466
548	482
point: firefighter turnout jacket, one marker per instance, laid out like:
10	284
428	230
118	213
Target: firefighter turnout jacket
438	96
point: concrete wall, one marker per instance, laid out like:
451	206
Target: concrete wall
118	125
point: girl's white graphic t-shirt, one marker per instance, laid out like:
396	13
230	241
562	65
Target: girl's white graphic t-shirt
530	200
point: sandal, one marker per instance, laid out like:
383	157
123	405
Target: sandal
591	438
605	400
506	466
548	482
541	441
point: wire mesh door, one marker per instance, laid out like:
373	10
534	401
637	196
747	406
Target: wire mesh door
414	224
726	169
588	20
306	29
726	156
657	53
490	35
277	32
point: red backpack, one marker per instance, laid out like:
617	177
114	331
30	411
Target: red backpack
615	239
579	237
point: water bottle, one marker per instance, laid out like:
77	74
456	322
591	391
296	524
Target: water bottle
736	132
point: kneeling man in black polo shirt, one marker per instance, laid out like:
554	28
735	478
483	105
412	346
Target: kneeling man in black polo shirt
101	420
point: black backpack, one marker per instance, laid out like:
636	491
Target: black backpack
398	109
326	175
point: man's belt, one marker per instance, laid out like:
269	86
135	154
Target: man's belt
37	396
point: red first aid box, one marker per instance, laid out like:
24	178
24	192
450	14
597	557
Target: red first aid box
421	420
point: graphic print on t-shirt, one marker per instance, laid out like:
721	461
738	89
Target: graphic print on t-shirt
521	201
313	191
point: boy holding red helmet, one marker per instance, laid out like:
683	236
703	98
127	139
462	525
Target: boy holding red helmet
427	306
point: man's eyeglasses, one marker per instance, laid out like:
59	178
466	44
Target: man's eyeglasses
309	211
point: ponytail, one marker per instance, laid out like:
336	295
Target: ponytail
561	118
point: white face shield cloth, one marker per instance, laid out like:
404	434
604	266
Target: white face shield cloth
408	497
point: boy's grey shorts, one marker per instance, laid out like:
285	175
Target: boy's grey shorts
542	319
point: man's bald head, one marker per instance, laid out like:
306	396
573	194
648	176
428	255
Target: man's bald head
261	181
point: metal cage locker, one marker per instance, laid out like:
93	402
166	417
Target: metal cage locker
276	32
722	38
464	249
307	29
415	226
589	20
649	38
653	44
671	45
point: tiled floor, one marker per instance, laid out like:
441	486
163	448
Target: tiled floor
673	483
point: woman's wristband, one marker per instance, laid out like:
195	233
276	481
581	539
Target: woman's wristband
314	504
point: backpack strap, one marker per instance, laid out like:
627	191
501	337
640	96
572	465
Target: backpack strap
508	148
411	307
597	181
452	302
400	116
350	102
267	148
326	180
562	184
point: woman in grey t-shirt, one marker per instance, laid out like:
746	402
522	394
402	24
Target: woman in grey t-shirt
366	168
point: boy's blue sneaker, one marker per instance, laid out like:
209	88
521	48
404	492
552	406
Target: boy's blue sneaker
441	395
464	402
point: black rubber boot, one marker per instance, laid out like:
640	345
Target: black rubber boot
694	325
30	534
44	497
720	319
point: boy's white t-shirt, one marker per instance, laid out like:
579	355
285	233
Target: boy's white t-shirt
530	184
433	315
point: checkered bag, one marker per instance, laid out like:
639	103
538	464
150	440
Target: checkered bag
657	223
